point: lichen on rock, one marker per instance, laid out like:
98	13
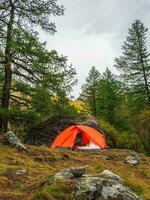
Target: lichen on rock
12	140
105	186
132	160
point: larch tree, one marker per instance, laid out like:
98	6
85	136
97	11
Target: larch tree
134	64
19	49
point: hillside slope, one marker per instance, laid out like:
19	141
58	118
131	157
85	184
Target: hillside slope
22	175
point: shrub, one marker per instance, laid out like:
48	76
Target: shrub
123	140
142	124
131	141
110	131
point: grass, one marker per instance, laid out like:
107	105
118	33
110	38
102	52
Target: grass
59	191
41	164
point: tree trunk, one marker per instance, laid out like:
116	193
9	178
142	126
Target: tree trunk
94	104
6	95
8	72
146	82
144	71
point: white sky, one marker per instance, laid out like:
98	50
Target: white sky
92	32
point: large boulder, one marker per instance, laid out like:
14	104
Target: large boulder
46	131
11	139
106	186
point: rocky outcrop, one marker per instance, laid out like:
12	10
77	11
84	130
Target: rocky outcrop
46	131
105	186
109	174
11	139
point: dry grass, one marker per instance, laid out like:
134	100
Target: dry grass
41	163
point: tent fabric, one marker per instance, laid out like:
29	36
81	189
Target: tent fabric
68	136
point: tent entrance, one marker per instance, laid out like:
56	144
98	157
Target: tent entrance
83	141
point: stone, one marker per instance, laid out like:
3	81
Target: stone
66	174
106	157
111	175
78	171
16	162
118	191
87	187
74	172
133	160
21	172
45	132
96	187
12	140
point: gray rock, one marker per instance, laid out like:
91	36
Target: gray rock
111	175
77	171
96	187
66	174
21	172
74	172
118	191
106	157
88	187
133	160
14	141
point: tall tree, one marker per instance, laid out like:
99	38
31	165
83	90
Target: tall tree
109	96
18	40
134	64
90	90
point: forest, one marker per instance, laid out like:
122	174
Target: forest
35	82
94	145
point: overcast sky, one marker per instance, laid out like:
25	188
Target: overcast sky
92	32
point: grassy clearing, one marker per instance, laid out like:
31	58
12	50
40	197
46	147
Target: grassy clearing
42	163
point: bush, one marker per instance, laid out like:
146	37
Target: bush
110	131
123	140
131	141
142	124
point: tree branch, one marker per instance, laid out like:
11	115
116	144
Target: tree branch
21	103
21	98
2	62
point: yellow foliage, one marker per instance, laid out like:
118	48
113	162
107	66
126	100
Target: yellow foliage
79	105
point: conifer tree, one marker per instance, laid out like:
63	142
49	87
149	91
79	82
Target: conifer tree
134	64
19	48
109	96
90	90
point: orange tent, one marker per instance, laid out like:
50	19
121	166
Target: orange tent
68	137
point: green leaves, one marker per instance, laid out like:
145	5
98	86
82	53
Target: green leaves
102	94
90	90
37	77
